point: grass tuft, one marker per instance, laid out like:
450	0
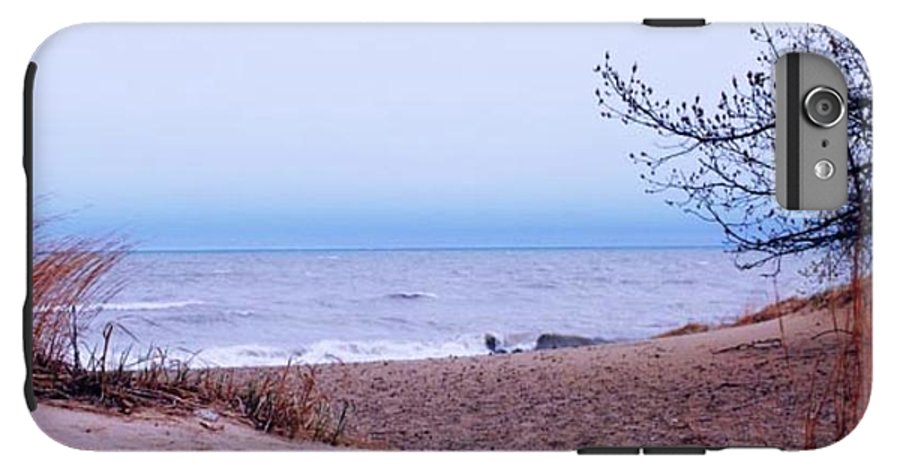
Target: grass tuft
71	280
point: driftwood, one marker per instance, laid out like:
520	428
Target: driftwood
757	344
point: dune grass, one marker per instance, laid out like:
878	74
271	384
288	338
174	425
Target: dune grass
70	280
848	370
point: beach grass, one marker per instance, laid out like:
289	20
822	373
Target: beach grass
831	298
846	390
71	280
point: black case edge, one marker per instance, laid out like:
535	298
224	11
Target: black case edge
27	164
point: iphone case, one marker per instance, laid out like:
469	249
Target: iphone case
437	236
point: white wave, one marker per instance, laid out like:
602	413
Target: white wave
123	306
241	312
146	305
332	351
249	355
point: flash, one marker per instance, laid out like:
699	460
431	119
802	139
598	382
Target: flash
824	169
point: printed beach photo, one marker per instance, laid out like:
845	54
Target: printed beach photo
437	237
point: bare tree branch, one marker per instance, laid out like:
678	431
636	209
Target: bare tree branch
717	162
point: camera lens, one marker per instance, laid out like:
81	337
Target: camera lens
824	107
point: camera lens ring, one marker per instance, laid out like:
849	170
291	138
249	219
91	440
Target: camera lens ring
810	112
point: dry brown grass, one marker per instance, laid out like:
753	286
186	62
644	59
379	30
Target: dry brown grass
71	279
832	413
832	298
775	310
283	400
689	328
846	394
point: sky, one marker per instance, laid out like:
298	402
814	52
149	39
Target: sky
360	136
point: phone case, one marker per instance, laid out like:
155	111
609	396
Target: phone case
441	237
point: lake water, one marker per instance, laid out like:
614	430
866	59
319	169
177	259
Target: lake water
262	307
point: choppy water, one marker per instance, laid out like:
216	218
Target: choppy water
257	308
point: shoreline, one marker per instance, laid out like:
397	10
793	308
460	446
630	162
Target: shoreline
735	386
750	383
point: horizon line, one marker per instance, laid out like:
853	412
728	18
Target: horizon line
418	248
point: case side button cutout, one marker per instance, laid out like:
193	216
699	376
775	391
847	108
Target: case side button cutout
674	450
609	450
675	22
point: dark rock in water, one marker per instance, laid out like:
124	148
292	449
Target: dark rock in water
491	342
559	341
545	341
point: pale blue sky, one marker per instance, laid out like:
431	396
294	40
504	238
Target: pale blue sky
280	136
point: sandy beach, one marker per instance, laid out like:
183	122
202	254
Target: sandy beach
87	428
749	385
741	386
